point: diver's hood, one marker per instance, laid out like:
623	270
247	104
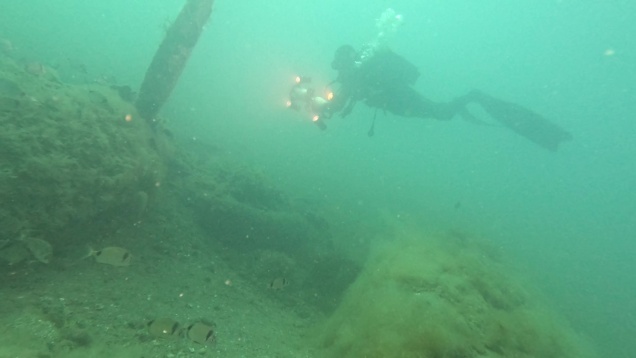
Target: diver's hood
344	58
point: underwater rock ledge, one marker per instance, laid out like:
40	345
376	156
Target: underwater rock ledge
71	154
435	298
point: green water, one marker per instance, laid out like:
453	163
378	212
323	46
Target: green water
566	217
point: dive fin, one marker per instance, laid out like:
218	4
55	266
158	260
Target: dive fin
523	121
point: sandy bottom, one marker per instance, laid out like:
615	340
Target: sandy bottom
81	308
417	295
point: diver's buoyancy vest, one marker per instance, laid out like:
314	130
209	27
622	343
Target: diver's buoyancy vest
386	69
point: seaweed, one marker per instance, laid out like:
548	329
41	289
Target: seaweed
433	298
69	155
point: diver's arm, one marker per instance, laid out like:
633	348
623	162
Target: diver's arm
344	102
339	102
349	107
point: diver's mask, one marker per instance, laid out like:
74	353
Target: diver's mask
344	59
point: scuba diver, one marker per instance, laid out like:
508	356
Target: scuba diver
383	80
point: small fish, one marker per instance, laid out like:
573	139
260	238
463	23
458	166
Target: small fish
35	68
163	327
112	255
40	249
201	333
77	66
278	283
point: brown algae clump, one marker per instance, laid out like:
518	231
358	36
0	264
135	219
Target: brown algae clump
432	298
69	156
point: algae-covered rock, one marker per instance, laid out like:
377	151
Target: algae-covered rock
243	210
432	299
68	154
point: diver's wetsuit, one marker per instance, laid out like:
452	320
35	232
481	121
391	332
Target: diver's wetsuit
384	82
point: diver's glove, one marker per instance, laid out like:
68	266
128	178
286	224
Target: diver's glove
348	108
326	113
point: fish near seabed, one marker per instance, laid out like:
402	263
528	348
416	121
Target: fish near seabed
112	255
278	283
163	327
40	249
201	332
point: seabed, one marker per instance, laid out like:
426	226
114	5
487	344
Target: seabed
80	169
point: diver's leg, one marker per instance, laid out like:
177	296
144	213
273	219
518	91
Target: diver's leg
459	106
443	111
523	121
407	102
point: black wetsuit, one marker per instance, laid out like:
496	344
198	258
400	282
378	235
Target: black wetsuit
384	82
